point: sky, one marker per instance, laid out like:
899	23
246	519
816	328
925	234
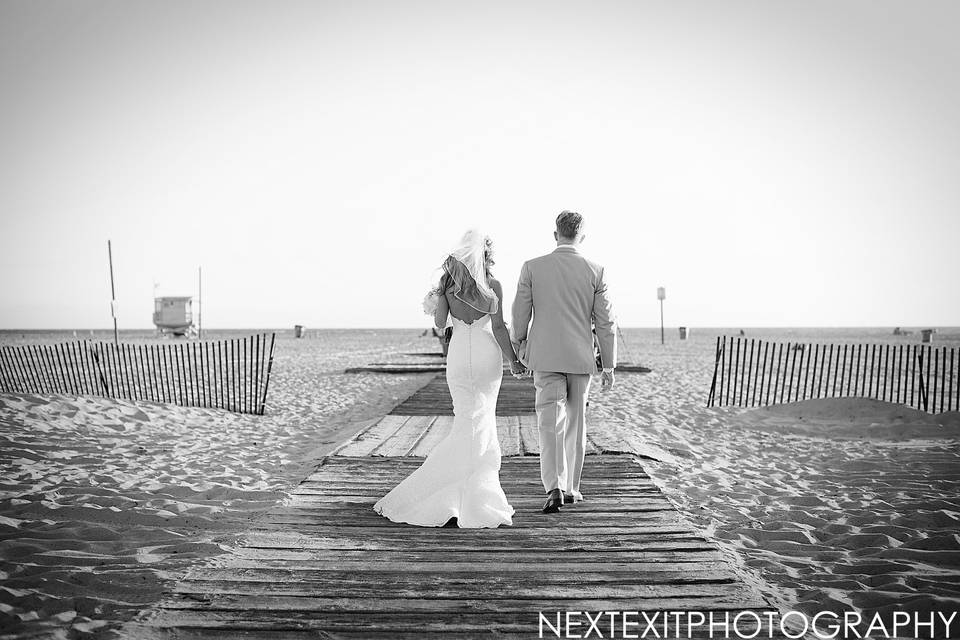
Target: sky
769	163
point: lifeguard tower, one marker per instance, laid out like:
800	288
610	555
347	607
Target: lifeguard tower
173	315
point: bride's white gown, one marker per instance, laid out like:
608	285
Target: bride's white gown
461	477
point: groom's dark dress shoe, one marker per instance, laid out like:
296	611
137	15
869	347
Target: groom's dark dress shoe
452	523
568	498
554	500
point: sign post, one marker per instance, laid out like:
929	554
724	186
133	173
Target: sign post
199	303
661	296
113	296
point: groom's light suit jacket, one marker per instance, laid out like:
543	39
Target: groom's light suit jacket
561	293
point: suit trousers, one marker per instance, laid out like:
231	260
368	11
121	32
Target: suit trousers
561	417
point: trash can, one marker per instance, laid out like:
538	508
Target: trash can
926	335
683	333
298	331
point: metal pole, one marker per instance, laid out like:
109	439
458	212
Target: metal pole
113	296
661	322
661	295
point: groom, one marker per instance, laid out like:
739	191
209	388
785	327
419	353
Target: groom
563	293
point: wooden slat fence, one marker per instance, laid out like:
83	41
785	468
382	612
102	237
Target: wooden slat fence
223	374
751	372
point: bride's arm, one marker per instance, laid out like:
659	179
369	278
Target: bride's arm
501	333
440	315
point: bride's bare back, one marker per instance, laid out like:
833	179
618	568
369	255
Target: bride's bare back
449	303
461	311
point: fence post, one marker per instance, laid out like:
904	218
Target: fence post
943	376
713	381
256	371
793	368
6	387
95	352
934	379
758	387
951	404
922	395
263	402
23	380
723	363
746	395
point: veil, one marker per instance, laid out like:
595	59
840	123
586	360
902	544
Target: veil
467	267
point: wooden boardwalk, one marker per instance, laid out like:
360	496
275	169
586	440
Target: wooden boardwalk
416	435
325	565
435	366
516	398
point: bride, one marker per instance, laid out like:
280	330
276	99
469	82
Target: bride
459	482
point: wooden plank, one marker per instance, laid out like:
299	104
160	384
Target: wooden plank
574	566
312	516
358	488
511	477
731	597
508	433
516	535
613	486
522	530
516	397
591	447
468	618
403	440
518	473
527	505
528	473
365	442
507	536
425	632
528	497
673	540
366	426
583	522
397	368
520	499
438	430
529	589
311	496
530	435
515	436
650	573
598	474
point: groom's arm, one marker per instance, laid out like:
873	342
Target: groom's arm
606	323
522	306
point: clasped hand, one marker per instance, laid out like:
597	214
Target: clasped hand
517	369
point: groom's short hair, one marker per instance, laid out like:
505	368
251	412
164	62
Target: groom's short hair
569	224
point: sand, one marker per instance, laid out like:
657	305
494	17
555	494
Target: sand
836	504
103	503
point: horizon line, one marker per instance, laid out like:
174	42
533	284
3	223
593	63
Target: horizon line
421	328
